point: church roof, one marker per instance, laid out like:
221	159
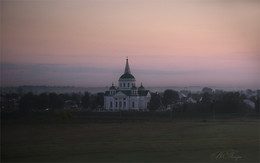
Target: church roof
127	68
127	74
128	93
112	87
141	87
143	92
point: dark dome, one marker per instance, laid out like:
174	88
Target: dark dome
127	76
141	87
112	87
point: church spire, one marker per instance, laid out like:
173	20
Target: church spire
127	68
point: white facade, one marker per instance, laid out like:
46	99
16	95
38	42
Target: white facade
126	96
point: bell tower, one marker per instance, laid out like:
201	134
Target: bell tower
127	80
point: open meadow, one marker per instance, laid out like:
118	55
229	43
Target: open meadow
145	141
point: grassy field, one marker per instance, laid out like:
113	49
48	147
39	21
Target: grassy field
175	141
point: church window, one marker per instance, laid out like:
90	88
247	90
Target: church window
133	104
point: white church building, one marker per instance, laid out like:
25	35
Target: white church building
126	96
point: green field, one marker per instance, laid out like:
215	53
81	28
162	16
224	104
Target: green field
175	141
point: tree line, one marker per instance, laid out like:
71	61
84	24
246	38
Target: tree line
207	101
51	101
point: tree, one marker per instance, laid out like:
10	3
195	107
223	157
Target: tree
97	100
86	100
155	102
257	104
27	103
76	97
169	96
100	99
258	93
43	101
249	92
231	102
56	101
206	98
207	90
206	105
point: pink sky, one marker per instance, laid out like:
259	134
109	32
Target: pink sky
168	42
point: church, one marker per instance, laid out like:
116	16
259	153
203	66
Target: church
126	96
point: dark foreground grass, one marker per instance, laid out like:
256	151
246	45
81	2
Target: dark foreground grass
175	141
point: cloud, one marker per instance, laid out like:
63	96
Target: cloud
84	75
59	68
84	42
166	72
54	74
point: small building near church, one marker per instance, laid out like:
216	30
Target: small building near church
127	96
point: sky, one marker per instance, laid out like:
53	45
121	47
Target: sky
168	42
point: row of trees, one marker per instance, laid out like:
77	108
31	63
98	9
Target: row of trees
53	101
162	101
205	102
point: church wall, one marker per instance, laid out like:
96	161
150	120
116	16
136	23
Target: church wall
134	102
126	102
108	99
121	103
141	102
